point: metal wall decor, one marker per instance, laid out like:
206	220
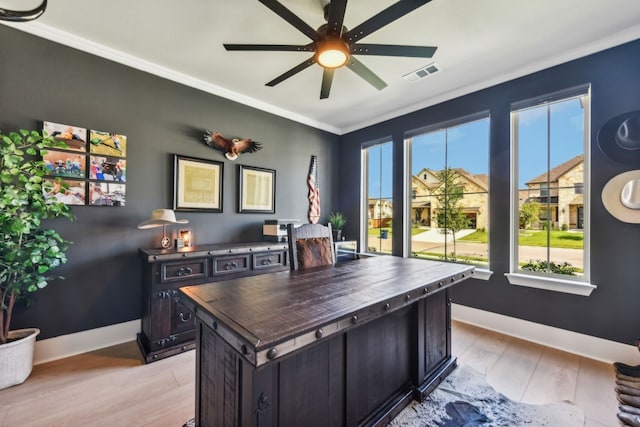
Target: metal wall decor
232	148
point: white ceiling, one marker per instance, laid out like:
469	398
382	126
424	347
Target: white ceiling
480	43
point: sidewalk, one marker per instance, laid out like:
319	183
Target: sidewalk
434	235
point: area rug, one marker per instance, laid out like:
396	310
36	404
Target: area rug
465	399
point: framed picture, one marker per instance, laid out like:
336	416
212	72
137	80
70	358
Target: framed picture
197	184
257	190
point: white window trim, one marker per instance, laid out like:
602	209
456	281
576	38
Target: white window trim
480	273
552	282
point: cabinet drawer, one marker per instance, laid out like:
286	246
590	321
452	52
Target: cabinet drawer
231	264
183	271
268	260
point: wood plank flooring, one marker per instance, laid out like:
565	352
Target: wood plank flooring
113	387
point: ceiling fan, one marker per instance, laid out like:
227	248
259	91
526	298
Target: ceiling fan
334	45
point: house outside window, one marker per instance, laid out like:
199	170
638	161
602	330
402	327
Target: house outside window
377	203
448	173
550	188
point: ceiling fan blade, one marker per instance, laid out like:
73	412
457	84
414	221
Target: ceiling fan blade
390	14
295	70
337	9
360	69
393	50
291	18
272	47
327	79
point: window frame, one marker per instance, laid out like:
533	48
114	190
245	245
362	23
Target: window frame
542	280
483	273
364	193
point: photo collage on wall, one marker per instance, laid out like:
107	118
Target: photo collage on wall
91	171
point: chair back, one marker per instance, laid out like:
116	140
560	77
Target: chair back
310	245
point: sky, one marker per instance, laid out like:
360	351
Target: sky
467	146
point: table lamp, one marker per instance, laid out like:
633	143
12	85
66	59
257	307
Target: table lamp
162	217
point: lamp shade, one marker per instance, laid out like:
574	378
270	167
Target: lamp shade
161	217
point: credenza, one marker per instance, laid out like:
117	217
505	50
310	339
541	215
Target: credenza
167	327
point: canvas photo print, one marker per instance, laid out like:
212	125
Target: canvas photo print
69	192
107	194
65	164
75	137
107	168
107	144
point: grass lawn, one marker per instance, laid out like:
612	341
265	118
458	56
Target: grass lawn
376	231
559	239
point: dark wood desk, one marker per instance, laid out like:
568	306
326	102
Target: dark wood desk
346	345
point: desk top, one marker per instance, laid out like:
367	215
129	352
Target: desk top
269	315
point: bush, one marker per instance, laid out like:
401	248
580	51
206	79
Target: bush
565	227
546	266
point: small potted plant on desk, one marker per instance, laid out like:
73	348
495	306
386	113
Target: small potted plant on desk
28	250
337	221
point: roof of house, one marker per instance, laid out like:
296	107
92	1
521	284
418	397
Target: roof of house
558	171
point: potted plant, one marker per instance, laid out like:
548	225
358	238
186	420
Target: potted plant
28	250
337	221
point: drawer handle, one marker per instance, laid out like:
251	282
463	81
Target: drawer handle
267	261
184	319
167	294
184	271
231	265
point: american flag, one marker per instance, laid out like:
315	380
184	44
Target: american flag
314	191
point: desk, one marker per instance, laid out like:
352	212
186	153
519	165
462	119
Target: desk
343	345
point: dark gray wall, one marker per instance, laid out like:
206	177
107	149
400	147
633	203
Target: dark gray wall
41	80
612	311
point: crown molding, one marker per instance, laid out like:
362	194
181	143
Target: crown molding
70	40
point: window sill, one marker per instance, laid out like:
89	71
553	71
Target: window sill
482	274
551	284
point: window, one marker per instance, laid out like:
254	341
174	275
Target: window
377	203
449	212
550	184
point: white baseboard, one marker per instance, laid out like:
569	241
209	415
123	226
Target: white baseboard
572	342
82	342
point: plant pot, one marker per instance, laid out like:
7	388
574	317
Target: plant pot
337	235
16	357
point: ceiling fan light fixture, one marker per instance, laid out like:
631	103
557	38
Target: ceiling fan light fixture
332	54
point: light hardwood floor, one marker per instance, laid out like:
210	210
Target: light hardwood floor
113	387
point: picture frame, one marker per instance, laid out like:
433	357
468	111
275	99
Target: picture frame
256	190
197	184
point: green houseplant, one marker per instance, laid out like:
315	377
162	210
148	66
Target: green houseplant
337	221
28	250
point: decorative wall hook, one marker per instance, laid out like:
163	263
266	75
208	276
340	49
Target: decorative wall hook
231	147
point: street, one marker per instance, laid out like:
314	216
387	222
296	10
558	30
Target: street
431	242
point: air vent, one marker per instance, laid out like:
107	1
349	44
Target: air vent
420	73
